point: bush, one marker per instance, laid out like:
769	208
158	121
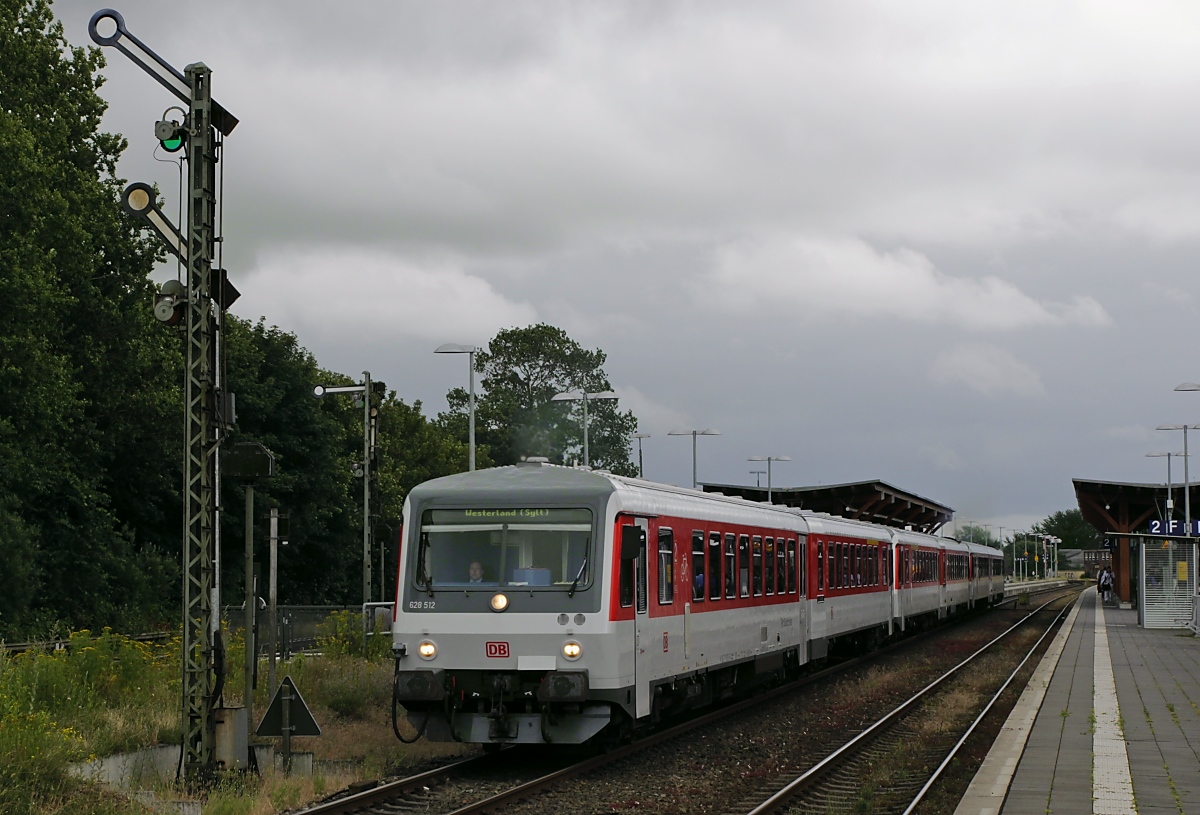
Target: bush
341	635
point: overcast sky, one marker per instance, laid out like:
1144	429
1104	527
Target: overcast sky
949	245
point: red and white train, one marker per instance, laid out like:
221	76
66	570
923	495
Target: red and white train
539	603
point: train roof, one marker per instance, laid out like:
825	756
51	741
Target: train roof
544	482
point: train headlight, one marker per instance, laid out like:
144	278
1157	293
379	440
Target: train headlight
427	649
499	602
572	650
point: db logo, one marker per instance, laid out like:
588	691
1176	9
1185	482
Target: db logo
497	649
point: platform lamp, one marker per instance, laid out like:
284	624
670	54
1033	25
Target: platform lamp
585	397
708	431
639	437
1187	484
469	350
1170	486
769	459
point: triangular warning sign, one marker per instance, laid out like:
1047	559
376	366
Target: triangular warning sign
300	718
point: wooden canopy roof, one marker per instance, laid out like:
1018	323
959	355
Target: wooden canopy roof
1115	506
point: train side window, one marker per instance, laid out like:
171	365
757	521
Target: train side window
697	566
666	566
820	567
641	569
757	564
838	571
858	565
625	580
744	565
730	566
714	565
769	566
781	567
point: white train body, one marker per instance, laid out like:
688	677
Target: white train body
545	604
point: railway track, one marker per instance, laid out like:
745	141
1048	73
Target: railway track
505	780
842	782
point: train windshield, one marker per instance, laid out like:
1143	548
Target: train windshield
531	547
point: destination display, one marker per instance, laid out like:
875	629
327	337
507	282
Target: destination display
524	515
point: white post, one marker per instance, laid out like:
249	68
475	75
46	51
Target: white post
272	591
471	454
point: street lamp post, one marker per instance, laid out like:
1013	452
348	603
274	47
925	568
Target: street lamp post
639	437
1187	484
320	391
708	431
585	397
469	350
1170	487
769	459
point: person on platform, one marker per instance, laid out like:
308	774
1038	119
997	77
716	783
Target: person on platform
1104	584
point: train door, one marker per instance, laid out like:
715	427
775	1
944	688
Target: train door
818	630
797	581
643	636
941	578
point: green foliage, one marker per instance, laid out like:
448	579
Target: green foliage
977	534
342	635
523	368
313	442
350	687
100	695
1069	525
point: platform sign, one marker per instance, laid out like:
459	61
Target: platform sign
1160	527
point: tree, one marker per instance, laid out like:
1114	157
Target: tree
977	534
88	419
1071	528
523	368
315	443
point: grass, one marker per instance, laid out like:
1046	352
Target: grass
109	694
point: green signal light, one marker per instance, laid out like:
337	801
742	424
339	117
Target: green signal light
170	135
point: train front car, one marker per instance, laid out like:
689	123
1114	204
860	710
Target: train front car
499	635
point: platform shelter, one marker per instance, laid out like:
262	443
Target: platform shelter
874	501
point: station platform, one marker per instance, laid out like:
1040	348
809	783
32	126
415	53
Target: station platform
1109	723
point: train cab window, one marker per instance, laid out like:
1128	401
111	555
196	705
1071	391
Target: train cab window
821	567
714	565
697	566
757	564
666	566
544	549
730	566
744	565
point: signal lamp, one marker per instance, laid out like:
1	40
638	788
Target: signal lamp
499	602
572	650
170	134
427	650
